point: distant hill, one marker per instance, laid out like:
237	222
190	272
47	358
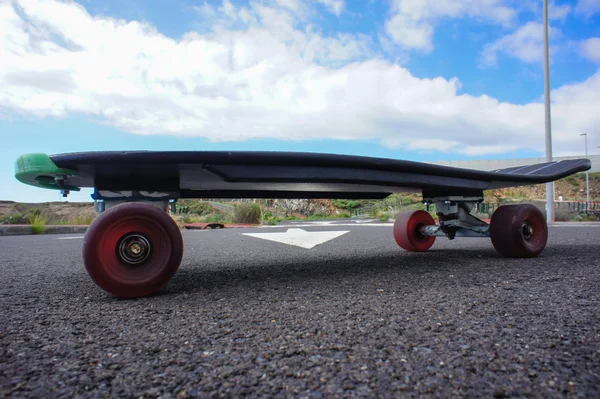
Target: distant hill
571	188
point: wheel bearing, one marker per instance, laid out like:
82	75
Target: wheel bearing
527	230
133	249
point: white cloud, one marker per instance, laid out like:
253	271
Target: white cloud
335	6
525	44
590	49
256	74
587	8
205	10
556	11
411	23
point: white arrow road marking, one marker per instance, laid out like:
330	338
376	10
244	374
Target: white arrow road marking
299	237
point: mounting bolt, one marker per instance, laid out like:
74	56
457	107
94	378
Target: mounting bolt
60	180
100	206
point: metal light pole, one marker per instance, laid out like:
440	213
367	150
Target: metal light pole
587	178
550	211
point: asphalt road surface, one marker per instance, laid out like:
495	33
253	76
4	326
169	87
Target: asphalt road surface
355	316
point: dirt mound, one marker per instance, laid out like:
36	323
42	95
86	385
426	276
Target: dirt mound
52	212
571	188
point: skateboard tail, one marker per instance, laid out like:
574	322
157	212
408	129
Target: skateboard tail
40	171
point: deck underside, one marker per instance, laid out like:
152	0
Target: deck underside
282	175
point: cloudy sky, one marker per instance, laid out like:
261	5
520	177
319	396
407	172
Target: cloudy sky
422	80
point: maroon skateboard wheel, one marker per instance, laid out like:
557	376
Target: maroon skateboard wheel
518	231
407	231
132	249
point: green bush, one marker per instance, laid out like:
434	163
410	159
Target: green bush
217	217
16	218
186	218
38	224
572	180
81	219
194	206
346	204
247	212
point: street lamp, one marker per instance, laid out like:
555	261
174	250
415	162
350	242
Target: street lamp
550	210
587	177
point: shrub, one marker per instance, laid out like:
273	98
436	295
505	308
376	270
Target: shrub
38	224
16	218
247	212
346	204
572	180
217	217
194	206
193	218
82	219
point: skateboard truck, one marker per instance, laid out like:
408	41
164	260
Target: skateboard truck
518	230
455	218
104	199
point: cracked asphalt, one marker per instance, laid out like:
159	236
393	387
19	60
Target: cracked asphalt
354	317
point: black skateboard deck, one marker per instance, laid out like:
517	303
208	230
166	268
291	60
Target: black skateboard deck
221	174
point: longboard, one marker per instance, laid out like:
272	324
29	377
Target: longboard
134	247
217	174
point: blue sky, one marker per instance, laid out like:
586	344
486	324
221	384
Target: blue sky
411	79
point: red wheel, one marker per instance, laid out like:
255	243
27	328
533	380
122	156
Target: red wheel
407	233
519	231
132	249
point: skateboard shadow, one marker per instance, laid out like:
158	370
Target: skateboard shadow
386	265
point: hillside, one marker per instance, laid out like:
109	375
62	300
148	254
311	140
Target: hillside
568	189
571	188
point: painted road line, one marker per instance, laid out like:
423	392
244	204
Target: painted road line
69	238
574	224
299	237
551	224
365	221
332	225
